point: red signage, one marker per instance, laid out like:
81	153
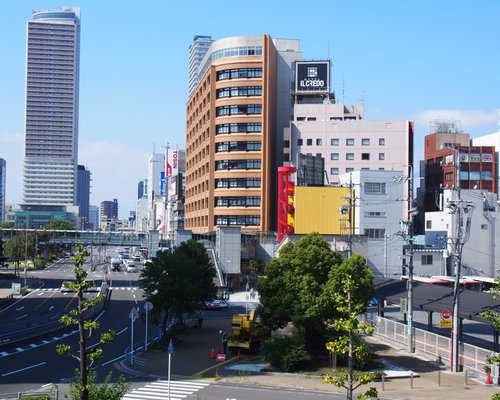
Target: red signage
445	314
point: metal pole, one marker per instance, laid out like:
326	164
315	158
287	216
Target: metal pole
169	359
246	299
146	341
132	342
410	261
385	256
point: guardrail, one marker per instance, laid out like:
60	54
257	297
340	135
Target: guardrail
22	331
472	358
49	393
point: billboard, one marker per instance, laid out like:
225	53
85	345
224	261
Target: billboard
171	162
312	76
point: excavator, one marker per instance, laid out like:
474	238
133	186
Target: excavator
247	332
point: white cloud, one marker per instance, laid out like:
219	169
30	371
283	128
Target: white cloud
116	169
469	120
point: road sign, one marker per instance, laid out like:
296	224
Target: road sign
446	323
133	314
148	306
403	305
445	314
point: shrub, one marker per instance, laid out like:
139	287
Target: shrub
284	353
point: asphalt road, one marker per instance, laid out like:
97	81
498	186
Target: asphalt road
35	363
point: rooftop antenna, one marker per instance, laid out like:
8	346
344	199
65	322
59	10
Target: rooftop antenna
363	98
343	91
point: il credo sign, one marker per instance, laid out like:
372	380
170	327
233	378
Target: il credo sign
312	76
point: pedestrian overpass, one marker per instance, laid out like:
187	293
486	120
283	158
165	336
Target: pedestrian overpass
128	239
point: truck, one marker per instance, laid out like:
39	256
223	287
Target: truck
115	264
247	332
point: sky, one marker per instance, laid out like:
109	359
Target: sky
418	61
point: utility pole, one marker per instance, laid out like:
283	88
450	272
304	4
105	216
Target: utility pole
409	232
461	236
351	215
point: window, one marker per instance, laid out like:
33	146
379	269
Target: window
349	156
349	142
484	226
381	142
448	176
475	175
365	156
301	118
334	171
319	142
334	142
311	118
426	259
334	156
365	142
375	233
374	187
374	214
309	142
381	156
486	176
299	142
349	170
428	224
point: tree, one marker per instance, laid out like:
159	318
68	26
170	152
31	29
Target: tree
7	225
86	326
178	281
494	319
60	225
294	289
20	246
351	286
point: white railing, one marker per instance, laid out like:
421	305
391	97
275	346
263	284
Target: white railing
472	358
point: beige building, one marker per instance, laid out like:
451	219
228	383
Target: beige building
232	133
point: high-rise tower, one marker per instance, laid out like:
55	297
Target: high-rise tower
3	165
51	130
197	51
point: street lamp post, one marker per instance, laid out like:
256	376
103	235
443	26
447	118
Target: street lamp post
26	247
132	315
148	306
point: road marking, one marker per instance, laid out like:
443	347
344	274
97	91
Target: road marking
21	317
51	308
110	361
4	353
123	330
20	308
19	349
13	304
159	390
24	369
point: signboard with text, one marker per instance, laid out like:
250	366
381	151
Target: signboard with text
446	320
312	76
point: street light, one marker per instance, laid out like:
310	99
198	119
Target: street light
133	316
148	306
26	246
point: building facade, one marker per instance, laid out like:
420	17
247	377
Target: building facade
232	138
51	118
3	177
109	209
83	194
197	51
451	162
94	217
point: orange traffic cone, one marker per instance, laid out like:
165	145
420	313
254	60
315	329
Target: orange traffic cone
212	354
238	357
488	379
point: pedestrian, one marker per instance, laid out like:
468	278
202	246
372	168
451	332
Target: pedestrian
200	319
223	339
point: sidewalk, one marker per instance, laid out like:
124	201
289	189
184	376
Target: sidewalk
191	359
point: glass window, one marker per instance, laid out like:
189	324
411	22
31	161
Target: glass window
375	233
309	142
381	156
365	142
349	142
334	171
334	156
349	156
486	176
381	142
464	175
299	142
319	142
448	176
334	142
365	156
349	170
374	187
426	259
475	175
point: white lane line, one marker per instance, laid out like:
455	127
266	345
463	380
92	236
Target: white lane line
4	353
123	330
19	349
21	317
24	369
51	307
113	360
20	308
13	304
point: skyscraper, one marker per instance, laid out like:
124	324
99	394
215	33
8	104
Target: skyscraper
51	130
3	165
197	51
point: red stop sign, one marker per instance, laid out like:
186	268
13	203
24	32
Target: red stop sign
445	314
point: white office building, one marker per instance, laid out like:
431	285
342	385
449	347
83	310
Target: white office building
51	120
197	51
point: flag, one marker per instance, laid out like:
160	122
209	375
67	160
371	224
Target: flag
171	347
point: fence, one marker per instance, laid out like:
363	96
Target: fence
472	358
49	393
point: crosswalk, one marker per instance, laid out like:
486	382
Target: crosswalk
158	390
124	288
